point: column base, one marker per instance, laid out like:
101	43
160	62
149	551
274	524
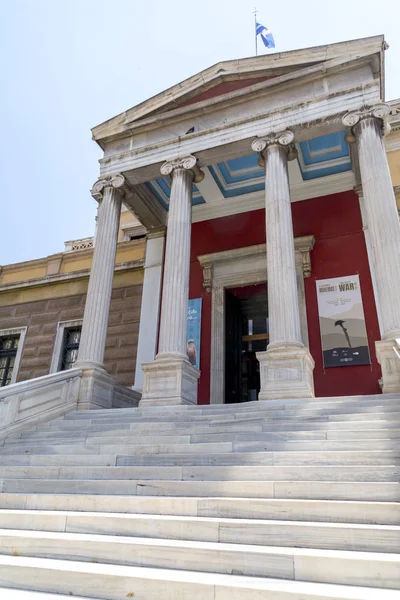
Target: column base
286	372
390	365
169	381
99	390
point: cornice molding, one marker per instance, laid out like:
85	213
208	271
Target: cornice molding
305	118
161	107
65	277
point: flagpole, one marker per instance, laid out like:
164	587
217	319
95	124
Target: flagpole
255	29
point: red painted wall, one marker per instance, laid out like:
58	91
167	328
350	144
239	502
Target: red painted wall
224	88
339	250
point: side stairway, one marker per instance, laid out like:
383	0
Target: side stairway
282	500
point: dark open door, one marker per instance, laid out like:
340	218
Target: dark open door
233	346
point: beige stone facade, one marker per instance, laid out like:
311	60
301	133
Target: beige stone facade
40	295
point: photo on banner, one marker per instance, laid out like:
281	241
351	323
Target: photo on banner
193	332
342	322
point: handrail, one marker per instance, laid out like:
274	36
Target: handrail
396	347
24	404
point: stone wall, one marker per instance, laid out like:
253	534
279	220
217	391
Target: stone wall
41	318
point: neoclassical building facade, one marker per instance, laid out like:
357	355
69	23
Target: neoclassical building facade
252	184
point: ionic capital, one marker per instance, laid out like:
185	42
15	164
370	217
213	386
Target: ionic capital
188	163
283	139
352	118
117	181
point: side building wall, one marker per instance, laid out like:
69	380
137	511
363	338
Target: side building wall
42	302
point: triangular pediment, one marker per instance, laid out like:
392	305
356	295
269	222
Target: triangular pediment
232	78
221	88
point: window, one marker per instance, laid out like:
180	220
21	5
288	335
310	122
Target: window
8	353
70	348
66	345
11	343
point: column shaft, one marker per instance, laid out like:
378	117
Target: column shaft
283	304
177	265
286	368
95	319
383	221
170	378
150	310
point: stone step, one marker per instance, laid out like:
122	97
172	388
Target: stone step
9	594
114	582
376	440
372	513
360	434
183	455
331	536
370	569
254	425
295	404
222	419
312	490
99	424
21	446
262	458
194	427
49	460
45	448
214	435
145	445
343	473
306	446
44	455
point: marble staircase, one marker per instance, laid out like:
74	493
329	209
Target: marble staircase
285	500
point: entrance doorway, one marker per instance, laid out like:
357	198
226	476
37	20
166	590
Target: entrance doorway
246	332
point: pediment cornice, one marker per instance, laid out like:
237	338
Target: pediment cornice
279	69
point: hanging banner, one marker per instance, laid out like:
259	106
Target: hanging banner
193	332
342	322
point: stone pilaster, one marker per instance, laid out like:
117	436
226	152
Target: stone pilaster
171	379
97	385
286	367
366	128
151	299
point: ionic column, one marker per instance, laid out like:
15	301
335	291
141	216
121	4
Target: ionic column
366	125
109	193
286	367
175	294
170	379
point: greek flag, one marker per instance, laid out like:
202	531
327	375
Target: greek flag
266	35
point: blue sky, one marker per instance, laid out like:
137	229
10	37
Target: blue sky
68	65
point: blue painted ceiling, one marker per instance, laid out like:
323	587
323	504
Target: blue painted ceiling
318	157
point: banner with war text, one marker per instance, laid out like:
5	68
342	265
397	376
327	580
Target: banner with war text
342	322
